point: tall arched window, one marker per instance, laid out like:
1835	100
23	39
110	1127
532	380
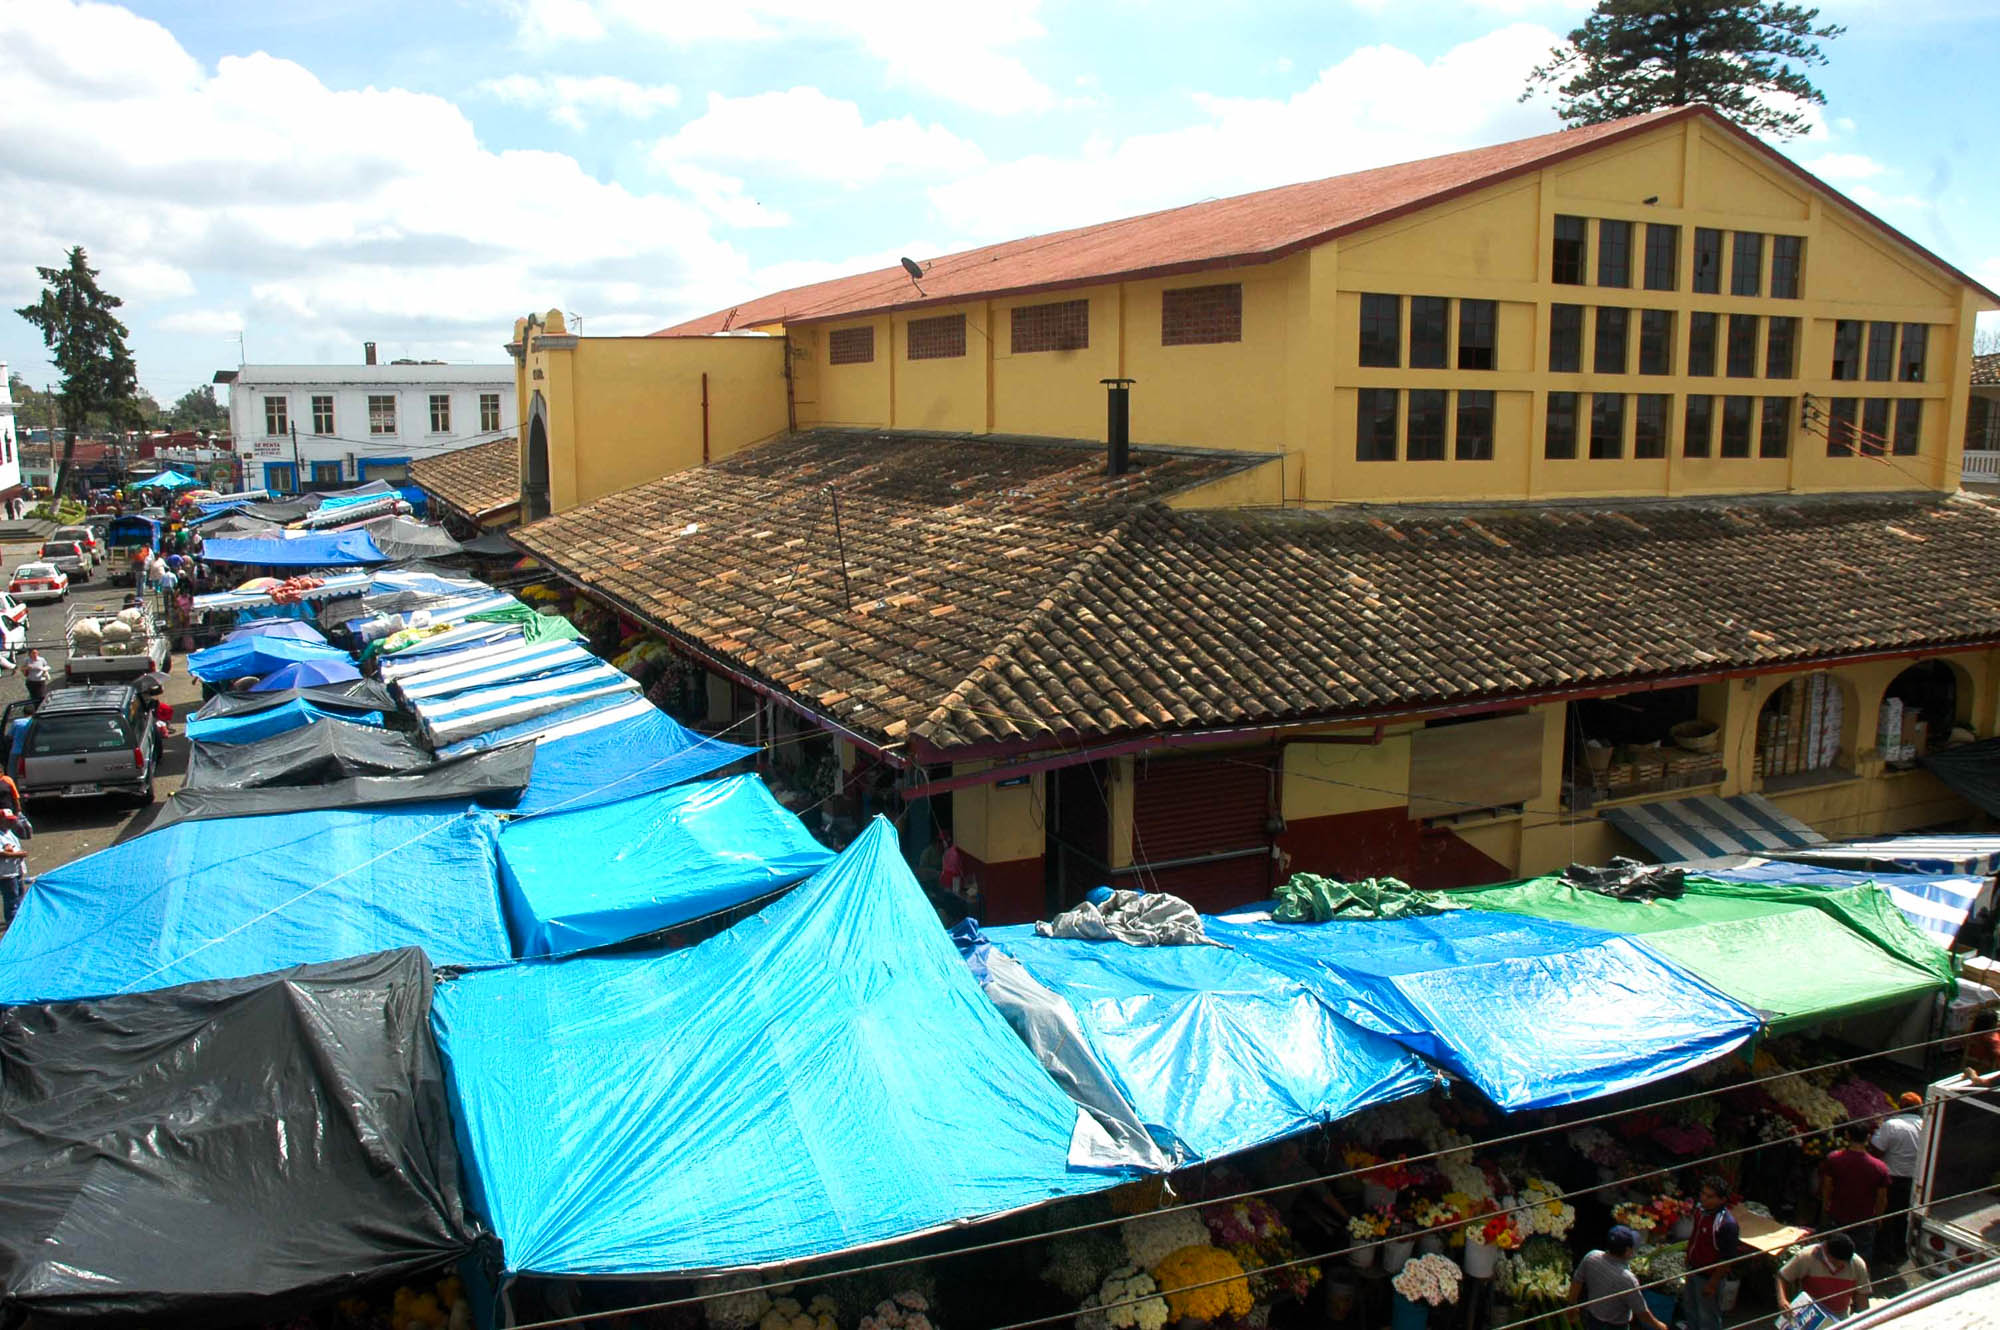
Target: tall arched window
1919	710
1801	728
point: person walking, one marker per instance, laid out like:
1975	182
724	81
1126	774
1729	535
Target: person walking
1713	1244
1854	1188
34	668
1606	1288
1898	1140
1830	1273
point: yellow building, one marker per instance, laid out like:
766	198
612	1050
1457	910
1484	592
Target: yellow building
1512	490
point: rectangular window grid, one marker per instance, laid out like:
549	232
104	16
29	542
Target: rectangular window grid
1698	429
1649	425
1474	441
381	413
1656	341
1614	253
1375	425
489	413
1565	339
1570	248
1707	261
440	413
1909	426
1609	352
1607	426
1061	325
1663	256
1847	349
322	409
1875	427
1840	428
1201	315
1774	437
326	473
1788	255
1477	323
1916	339
1559	439
1430	316
1781	345
1701	344
938	338
1737	413
1426	441
1881	352
275	417
1382	331
851	346
1742	346
1746	264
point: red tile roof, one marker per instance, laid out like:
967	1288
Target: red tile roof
478	481
1986	370
1246	229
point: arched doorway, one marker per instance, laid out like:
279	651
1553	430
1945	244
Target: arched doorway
535	474
1803	731
1920	708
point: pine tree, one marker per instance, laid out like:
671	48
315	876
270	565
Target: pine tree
1743	59
87	343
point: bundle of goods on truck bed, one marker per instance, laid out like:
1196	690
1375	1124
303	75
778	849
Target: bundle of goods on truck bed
122	645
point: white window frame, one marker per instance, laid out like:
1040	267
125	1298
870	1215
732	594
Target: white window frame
489	413
376	429
329	429
278	422
440	401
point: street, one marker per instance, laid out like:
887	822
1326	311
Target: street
67	829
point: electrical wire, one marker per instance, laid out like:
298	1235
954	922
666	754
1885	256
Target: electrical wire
790	1278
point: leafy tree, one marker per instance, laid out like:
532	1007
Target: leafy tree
87	343
1743	59
197	409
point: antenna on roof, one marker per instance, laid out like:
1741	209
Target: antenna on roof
916	271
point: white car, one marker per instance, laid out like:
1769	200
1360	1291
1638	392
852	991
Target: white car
13	624
39	582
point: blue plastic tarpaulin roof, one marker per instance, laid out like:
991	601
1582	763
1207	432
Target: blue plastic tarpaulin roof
296	629
1532	1011
306	674
616	754
257	656
241	896
1215	1051
333	550
824	1075
241	729
172	480
654	861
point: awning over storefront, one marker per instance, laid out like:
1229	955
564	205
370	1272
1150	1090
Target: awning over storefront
1709	826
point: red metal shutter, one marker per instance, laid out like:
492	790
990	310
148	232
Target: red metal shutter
1192	808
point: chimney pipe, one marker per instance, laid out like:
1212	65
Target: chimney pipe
368	353
1118	424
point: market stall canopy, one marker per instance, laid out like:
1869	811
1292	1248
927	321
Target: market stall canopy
337	550
1216	1052
1533	1011
169	480
1794	963
823	1076
356	695
1970	855
401	538
260	603
493	778
463	716
491	667
225	1151
1866	908
617	753
257	656
1936	903
306	674
223	899
656	860
332	750
1709	826
296	629
291	712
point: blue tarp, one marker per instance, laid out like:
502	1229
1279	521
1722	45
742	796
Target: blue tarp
132	529
297	630
240	896
1216	1052
306	674
256	656
822	1076
173	480
628	752
1532	1011
242	729
337	549
619	870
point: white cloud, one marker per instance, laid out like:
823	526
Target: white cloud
1379	105
804	134
202	322
1838	166
570	100
341	214
959	53
724	197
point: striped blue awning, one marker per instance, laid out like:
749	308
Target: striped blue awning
1978	856
1709	826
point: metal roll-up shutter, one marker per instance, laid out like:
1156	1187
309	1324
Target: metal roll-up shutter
1215	811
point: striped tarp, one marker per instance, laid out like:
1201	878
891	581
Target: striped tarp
448	720
1709	826
536	662
1976	855
1936	904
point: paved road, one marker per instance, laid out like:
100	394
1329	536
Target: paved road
68	829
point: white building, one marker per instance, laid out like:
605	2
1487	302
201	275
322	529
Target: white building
12	501
304	427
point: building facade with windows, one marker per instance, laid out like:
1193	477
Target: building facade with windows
1489	513
12	490
305	427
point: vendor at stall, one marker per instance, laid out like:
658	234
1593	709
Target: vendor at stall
1827	1272
1607	1289
1711	1246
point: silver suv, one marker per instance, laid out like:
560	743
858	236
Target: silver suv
83	742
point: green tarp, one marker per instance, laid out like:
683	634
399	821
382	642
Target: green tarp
536	627
1798	956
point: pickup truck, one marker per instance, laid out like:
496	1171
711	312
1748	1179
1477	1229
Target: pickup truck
122	538
83	742
1955	1201
104	647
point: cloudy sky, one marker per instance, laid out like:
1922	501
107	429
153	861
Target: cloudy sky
418	172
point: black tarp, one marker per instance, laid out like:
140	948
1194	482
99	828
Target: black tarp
354	695
1972	771
493	545
220	1152
309	755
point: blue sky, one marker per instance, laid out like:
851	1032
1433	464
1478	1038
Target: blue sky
312	175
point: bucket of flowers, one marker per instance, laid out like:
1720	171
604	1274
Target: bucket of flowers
1433	1221
1252	1231
1637	1216
1531	1289
1367	1228
1543	1211
1429	1281
1129	1299
1381	1185
1485	1239
1204	1284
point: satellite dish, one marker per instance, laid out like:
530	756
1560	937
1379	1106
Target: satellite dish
912	267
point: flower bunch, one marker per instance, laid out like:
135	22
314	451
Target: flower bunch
1427	1214
1636	1215
1149	1238
1394	1175
1367	1225
1546	1212
1078	1263
1243	1223
908	1310
739	1306
1683	1140
1430	1279
1205	1283
786	1314
1465	1177
1353	1156
1500	1231
1861	1098
1664	1266
1530	1285
1598	1146
1805	1103
1130	1299
1670	1209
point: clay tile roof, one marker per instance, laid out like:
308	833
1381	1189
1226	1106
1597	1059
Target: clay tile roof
477	481
1986	370
1009	595
1248	228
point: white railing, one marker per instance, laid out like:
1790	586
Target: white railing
1981	468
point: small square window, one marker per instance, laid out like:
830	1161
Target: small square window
1610	352
1698	429
1746	264
1061	325
1737	413
1382	331
1649	425
1663	256
1614	253
939	338
1201	315
1607	426
1559	439
1571	247
1707	261
1375	425
1565	339
851	346
1476	333
1427	408
1430	316
1701	344
1474	442
1774	437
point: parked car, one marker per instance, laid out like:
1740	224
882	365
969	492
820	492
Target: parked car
69	556
13	614
86	741
39	582
85	536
